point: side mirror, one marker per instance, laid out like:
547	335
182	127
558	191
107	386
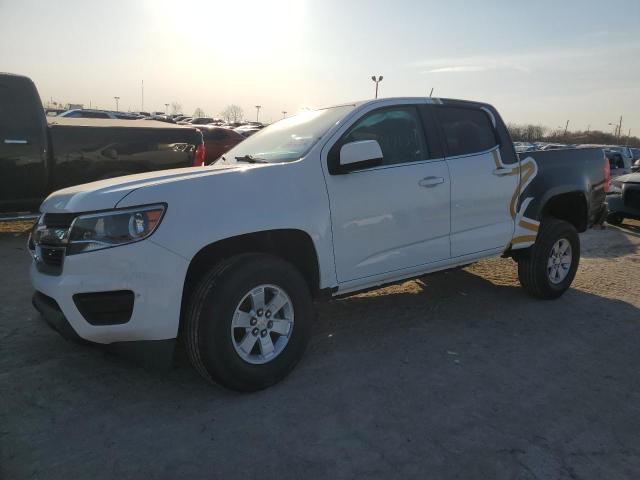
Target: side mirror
360	154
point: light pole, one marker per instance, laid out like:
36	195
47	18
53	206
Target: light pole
284	114
116	99
166	108
258	107
377	81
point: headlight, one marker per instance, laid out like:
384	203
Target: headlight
96	231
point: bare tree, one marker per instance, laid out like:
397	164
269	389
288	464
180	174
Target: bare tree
198	112
232	113
176	108
538	133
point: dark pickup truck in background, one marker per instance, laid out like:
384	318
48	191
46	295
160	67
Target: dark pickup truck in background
40	154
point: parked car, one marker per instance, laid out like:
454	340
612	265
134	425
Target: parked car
318	205
41	154
626	153
553	146
623	199
201	120
52	112
636	166
248	129
87	113
522	147
218	140
636	154
617	163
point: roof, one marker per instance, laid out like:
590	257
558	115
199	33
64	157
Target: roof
433	100
113	123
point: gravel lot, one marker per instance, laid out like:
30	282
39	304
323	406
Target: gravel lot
456	375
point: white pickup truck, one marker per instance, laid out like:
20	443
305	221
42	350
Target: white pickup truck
229	257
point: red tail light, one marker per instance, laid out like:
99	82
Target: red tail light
607	174
198	159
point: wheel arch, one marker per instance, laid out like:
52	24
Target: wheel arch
569	204
294	245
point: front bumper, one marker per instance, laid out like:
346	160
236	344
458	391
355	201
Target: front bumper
625	203
154	274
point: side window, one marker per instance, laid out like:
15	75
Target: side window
466	130
398	131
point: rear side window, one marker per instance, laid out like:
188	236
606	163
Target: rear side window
466	130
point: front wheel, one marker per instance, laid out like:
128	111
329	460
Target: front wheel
547	268
248	322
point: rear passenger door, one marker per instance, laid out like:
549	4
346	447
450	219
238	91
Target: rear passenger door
482	185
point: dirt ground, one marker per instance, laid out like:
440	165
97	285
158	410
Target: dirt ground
456	375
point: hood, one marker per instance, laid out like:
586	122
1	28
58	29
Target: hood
105	194
628	178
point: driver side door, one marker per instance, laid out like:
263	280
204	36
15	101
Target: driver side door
393	215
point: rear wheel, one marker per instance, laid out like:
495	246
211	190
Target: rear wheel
547	269
248	322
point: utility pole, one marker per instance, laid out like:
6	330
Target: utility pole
166	108
116	99
258	107
377	81
142	96
284	114
431	93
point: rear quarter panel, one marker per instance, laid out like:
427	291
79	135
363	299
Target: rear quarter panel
558	172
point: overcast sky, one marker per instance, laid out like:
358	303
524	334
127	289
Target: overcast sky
536	61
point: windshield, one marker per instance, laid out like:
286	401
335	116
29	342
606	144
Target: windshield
289	139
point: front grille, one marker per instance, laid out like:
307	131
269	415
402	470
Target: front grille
632	198
59	220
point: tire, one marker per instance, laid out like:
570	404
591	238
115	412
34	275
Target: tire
615	219
211	343
533	264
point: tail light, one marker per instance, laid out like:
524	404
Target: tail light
607	174
198	159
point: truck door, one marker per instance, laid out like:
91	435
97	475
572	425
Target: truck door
23	170
482	184
394	215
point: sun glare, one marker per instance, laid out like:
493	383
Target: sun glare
251	29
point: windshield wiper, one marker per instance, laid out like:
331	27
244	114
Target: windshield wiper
251	159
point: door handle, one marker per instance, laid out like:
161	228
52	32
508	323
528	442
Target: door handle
429	182
501	172
15	141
